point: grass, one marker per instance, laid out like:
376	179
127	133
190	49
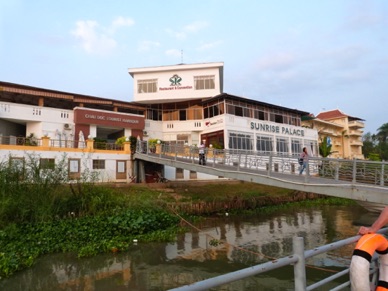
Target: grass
42	212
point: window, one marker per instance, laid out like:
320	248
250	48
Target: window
169	115
238	111
154	114
121	169
74	168
98	164
47	164
182	114
240	141
204	82
278	118
312	147
264	143
261	115
296	146
147	86
282	145
194	113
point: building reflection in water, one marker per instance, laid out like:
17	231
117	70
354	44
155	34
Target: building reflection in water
243	242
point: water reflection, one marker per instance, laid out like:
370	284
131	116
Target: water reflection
242	242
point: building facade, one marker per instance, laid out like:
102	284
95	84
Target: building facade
180	104
185	105
344	133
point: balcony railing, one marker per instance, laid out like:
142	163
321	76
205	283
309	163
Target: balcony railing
356	123
46	142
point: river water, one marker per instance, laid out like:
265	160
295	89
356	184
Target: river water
215	246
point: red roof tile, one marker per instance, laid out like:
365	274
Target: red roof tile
331	114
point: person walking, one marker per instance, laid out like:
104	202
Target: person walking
201	153
303	160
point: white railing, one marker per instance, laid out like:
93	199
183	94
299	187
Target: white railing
297	259
354	171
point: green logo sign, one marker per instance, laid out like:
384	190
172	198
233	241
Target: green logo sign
175	80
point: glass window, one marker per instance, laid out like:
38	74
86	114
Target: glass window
238	111
264	143
74	169
98	164
47	164
278	118
296	146
240	141
204	82
147	86
121	167
182	114
312	147
282	145
154	114
74	165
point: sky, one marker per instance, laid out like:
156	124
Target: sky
307	55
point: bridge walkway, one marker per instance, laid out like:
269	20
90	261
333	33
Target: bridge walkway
361	180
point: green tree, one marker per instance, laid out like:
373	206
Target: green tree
325	147
382	133
382	136
369	146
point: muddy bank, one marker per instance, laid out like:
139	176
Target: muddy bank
212	197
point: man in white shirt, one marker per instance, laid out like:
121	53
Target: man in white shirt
201	152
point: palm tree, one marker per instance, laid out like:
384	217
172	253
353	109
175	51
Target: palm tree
382	136
325	147
382	133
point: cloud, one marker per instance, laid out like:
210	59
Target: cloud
195	26
277	61
366	15
210	45
174	53
147	45
96	39
122	22
188	29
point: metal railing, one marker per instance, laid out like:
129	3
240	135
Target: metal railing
57	143
360	171
297	259
20	141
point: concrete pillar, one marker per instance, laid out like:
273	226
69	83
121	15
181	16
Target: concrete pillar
127	147
45	141
158	148
90	144
141	172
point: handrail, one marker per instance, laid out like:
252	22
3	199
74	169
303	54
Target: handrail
350	170
297	259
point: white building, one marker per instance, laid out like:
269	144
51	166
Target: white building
180	104
186	104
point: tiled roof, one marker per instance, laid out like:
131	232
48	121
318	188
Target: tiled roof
331	114
336	113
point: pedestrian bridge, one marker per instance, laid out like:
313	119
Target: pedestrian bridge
352	179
